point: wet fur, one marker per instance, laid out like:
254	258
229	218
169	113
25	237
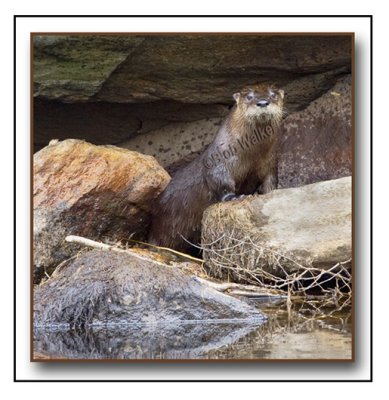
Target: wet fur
195	187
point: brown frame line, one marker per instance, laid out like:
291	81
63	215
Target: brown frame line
201	33
32	34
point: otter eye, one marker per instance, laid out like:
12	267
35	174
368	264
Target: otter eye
273	95
249	97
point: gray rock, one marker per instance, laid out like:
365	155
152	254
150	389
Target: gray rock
109	89
109	289
185	68
316	143
74	68
282	232
177	143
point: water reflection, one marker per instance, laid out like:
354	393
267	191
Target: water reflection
310	329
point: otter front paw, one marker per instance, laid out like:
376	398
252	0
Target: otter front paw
232	197
228	197
268	186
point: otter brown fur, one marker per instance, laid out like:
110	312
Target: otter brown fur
240	160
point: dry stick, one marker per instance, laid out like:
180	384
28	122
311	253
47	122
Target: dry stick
280	282
235	269
106	247
203	244
170	250
241	242
238	288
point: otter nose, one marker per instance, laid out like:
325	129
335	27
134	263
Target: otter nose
262	103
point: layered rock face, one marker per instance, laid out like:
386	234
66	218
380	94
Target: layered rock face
202	69
166	95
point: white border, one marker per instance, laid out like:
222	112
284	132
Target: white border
231	371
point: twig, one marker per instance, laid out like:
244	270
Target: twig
108	247
229	253
239	289
170	250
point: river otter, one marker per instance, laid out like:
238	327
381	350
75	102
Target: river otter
240	160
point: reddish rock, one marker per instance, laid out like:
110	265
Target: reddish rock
316	143
93	191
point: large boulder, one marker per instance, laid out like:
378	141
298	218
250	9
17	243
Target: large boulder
93	191
286	232
109	89
185	68
316	143
109	288
74	68
176	144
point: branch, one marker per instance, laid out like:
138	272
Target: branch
239	289
107	247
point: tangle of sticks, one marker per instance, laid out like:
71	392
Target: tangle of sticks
245	260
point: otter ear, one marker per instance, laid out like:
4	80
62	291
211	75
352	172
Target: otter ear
281	93
236	96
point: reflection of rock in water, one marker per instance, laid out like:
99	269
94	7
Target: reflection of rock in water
313	329
153	341
122	307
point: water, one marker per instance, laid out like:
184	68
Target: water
310	329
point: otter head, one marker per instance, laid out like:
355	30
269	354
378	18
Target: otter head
261	103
